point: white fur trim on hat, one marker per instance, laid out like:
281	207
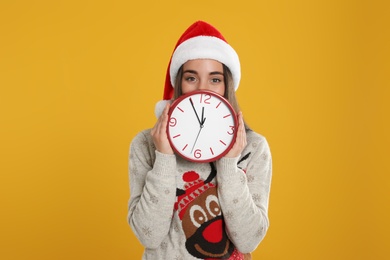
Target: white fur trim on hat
206	47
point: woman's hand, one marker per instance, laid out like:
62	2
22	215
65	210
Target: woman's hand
159	133
240	142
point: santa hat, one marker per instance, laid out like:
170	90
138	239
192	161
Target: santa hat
200	41
193	188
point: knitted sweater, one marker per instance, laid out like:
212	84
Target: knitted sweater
184	210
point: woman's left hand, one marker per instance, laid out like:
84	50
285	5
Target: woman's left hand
240	142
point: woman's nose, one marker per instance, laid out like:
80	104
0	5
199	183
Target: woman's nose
203	85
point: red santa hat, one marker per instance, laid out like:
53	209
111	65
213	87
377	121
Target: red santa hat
200	41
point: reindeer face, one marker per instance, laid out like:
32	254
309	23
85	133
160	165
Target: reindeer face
203	226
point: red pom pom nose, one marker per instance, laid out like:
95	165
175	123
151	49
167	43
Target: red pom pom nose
213	232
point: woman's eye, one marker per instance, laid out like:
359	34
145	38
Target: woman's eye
190	79
216	80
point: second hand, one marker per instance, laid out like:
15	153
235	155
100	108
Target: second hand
201	127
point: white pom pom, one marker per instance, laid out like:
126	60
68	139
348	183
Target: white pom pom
159	108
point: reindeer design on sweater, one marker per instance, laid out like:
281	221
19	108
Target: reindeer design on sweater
201	216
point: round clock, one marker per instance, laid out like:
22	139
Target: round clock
202	126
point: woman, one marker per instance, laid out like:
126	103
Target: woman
184	210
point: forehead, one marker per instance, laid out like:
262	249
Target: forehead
203	65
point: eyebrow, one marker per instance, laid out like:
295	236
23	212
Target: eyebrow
195	72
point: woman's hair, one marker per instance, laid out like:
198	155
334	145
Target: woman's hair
230	93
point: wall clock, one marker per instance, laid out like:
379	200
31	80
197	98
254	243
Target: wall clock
202	126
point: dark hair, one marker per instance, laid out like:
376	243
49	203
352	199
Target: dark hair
230	93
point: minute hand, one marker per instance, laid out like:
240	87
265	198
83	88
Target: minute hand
193	107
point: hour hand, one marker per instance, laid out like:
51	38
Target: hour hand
203	118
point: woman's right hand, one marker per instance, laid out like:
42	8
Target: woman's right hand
159	133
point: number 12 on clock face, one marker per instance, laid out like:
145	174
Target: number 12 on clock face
202	126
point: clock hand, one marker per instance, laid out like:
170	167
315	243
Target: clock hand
193	107
201	127
203	119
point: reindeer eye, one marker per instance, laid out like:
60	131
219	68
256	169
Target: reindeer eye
198	215
213	205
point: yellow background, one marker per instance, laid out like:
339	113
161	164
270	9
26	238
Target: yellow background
79	79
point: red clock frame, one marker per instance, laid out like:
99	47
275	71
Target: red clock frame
224	100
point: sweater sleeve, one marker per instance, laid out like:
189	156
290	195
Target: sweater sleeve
244	194
152	191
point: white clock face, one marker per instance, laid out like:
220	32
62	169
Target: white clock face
202	126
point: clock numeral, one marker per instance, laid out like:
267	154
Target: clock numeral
197	153
222	142
211	150
231	132
172	122
227	115
176	136
206	100
218	104
184	147
180	109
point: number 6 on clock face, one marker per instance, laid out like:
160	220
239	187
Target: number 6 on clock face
202	126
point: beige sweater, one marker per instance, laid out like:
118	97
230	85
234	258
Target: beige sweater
184	210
